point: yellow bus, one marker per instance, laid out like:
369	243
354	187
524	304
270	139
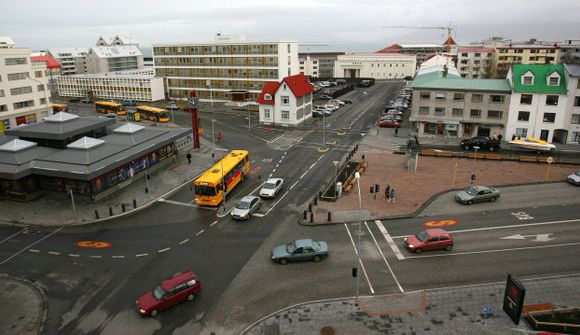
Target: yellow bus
108	107
208	187
59	108
153	113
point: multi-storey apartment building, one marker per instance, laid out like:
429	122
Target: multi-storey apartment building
446	105
114	58
539	101
505	56
422	51
72	60
318	64
24	95
573	109
375	65
229	69
135	85
475	62
6	42
569	52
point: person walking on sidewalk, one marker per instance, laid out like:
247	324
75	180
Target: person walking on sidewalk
392	195
219	137
396	131
188	156
388	191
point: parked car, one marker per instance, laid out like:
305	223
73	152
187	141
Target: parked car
172	107
388	123
574	178
484	143
112	116
476	194
339	102
271	187
390	117
429	239
347	101
300	250
180	287
246	207
321	112
325	97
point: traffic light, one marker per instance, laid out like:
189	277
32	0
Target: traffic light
372	189
377	188
354	272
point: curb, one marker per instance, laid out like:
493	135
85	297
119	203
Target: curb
40	293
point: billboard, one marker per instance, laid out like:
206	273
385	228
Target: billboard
513	298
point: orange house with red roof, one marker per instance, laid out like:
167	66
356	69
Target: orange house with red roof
287	103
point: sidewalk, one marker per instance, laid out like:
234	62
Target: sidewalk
447	311
434	175
23	307
56	209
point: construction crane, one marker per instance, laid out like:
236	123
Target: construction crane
449	28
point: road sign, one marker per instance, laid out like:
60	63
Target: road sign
538	237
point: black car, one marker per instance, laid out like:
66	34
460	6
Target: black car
482	142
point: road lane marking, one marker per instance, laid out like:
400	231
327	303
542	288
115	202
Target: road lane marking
539	237
390	240
74	255
118	256
178	203
497	250
95	256
11	236
273	170
54	253
213	223
184	241
258	215
504	227
34	250
360	259
30	245
141	255
291	187
319	158
304	174
163	250
311	166
282	197
384	258
199	232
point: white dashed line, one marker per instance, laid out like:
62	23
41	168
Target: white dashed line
33	250
273	170
311	166
118	256
270	176
319	158
74	255
163	250
304	174
54	253
291	187
184	241
258	215
141	255
200	232
213	223
383	255
390	240
277	165
96	256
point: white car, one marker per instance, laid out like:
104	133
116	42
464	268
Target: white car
246	207
271	187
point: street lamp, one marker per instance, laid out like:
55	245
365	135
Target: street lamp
357	177
335	178
474	168
249	118
213	133
324	129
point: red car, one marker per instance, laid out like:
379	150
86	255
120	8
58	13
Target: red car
388	124
429	239
180	287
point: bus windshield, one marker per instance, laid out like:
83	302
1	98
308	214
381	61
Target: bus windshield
205	190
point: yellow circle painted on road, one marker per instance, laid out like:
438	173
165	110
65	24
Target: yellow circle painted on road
93	244
440	223
550	160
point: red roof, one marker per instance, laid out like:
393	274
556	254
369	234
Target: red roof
449	41
299	84
390	49
269	88
51	63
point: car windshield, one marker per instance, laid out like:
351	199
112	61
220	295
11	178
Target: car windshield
270	186
243	205
158	292
577	173
290	247
471	191
422	236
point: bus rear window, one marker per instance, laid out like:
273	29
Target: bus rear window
205	190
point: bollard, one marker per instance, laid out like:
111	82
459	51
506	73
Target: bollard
97	214
310	208
356	148
363	157
123	207
110	211
311	217
315	201
329	216
134	203
305	214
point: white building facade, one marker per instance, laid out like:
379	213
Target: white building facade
375	65
24	94
573	108
72	60
229	69
134	85
475	62
286	104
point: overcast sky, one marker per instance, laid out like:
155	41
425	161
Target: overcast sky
341	25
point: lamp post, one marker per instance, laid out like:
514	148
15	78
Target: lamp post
357	177
324	129
213	133
474	168
249	118
335	178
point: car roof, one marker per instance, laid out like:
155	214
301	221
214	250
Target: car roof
272	180
249	198
436	231
177	279
304	243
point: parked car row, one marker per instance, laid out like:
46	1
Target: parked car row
392	115
331	106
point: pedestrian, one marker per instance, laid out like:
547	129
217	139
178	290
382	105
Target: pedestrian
387	191
392	195
396	131
499	137
219	137
188	156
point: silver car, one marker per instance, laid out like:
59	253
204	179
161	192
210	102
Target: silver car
246	207
574	178
271	187
476	194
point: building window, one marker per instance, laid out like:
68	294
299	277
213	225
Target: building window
40	88
425	95
3	108
477	98
440	96
578	84
528	80
475	113
575	119
285	100
285	115
494	114
17	76
553	81
523	116
15	61
526	99
439	111
457	112
549	117
38	74
496	98
576	101
266	114
424	110
267	97
430	128
458	96
2	94
23	104
552	100
522	132
43	101
20	90
576	136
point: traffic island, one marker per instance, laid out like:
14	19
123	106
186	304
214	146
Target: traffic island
564	320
